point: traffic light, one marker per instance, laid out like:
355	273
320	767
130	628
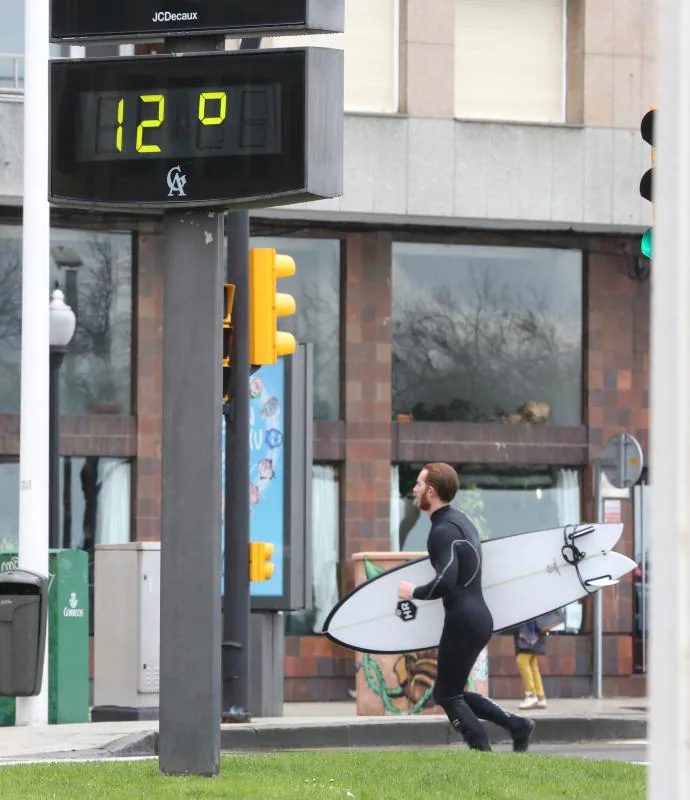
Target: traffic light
229	296
266	304
260	566
647	182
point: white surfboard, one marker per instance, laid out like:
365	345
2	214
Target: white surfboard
523	576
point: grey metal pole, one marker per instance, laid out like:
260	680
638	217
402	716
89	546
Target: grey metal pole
190	535
597	643
56	356
236	594
236	587
190	629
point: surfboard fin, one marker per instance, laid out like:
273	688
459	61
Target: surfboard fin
577	531
602	581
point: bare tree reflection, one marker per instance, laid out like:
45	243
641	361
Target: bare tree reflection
98	366
10	323
318	321
484	354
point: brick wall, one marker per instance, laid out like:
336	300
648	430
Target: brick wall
367	363
616	340
148	366
617	345
317	670
365	441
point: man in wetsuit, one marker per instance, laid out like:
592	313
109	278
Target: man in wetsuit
455	553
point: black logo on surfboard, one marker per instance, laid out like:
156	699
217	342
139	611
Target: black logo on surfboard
406	610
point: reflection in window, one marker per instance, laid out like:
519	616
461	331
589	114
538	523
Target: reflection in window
486	334
9	505
96	501
316	289
500	502
11	44
94	270
96	506
325	547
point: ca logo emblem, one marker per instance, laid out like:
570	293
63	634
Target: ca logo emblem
176	182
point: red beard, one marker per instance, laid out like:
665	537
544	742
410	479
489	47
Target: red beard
423	502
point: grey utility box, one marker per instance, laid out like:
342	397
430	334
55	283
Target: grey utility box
23	617
126	631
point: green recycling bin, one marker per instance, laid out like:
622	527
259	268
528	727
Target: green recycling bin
68	638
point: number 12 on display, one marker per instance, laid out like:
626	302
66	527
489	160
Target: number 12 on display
212	110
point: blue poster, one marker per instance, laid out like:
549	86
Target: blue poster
267	469
266	472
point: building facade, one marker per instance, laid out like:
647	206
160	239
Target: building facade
475	296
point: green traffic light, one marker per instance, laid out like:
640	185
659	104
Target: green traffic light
646	243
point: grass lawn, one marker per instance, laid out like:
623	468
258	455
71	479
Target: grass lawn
378	775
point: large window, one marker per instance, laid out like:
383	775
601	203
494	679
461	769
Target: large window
325	553
9	505
510	59
487	334
316	289
500	502
95	506
94	270
370	43
11	44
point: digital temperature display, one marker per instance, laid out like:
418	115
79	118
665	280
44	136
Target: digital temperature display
211	122
222	129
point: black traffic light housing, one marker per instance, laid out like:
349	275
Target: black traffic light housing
647	182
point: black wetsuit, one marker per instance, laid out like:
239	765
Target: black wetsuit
455	554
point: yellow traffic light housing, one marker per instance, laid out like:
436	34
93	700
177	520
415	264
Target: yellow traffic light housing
229	297
266	305
260	566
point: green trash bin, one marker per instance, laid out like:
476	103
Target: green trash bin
68	638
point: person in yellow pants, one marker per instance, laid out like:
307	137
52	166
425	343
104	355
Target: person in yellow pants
530	643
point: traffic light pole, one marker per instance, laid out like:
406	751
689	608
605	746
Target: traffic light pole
236	598
236	593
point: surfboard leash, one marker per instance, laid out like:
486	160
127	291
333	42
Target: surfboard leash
573	555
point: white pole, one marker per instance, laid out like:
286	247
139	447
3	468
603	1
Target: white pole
669	674
33	452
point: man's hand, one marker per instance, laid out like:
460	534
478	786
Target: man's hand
405	590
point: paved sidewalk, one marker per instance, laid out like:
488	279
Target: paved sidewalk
318	725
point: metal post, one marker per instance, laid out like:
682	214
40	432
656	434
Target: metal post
236	596
190	535
190	630
597	639
669	675
33	464
236	589
57	354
